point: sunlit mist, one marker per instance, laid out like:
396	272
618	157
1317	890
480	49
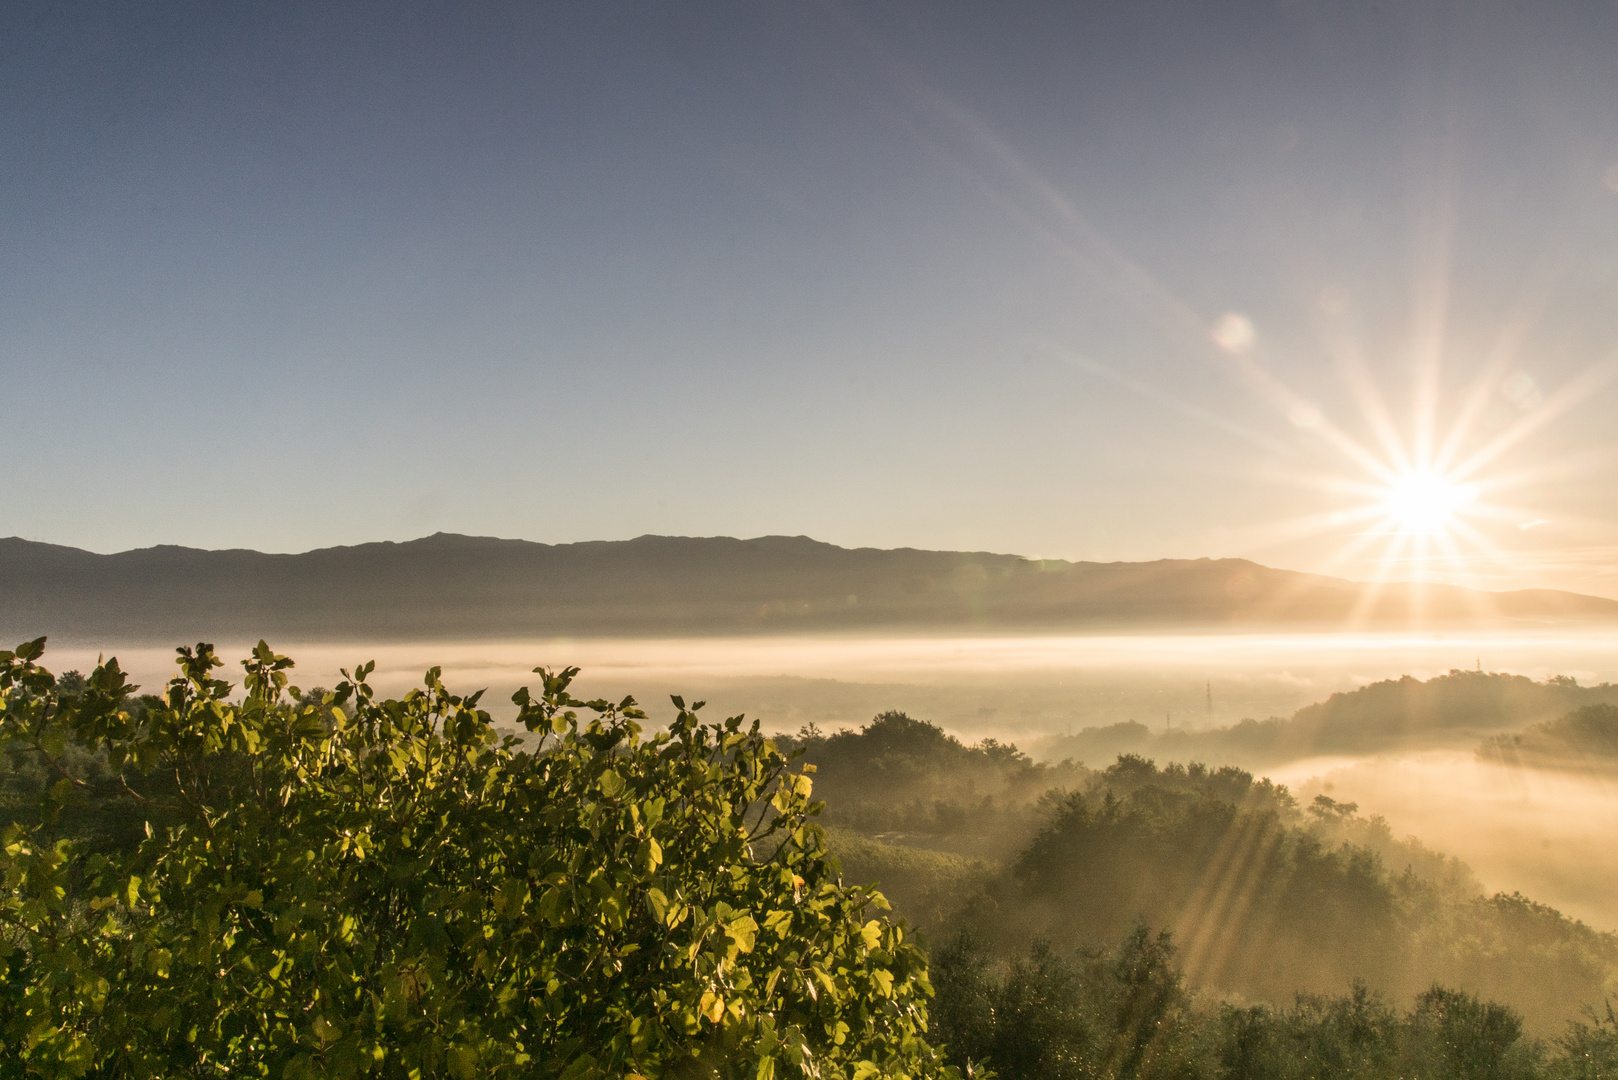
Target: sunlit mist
1543	832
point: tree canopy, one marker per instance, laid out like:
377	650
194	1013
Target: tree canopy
333	884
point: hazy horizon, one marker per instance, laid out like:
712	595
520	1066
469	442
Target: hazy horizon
1538	832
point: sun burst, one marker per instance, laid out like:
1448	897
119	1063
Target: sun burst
1434	504
1427	503
1421	493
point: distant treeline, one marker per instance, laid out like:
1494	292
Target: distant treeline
1394	714
1583	739
907	781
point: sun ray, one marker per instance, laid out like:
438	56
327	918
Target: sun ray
1360	614
1567	466
1351	368
1507	348
1481	603
1113	375
1571	394
1215	916
1431	300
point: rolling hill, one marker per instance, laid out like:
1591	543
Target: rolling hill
448	586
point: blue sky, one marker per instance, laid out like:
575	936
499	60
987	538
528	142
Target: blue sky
945	275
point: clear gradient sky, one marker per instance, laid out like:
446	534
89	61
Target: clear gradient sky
1090	281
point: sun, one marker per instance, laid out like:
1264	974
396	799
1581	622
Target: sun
1426	502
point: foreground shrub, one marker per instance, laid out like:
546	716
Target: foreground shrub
336	885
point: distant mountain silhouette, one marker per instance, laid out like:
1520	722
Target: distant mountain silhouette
448	586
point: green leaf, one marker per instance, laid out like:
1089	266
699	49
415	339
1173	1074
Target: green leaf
462	1062
54	742
582	1067
742	931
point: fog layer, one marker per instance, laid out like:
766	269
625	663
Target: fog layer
1544	833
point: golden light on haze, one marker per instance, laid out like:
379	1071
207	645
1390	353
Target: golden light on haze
1546	833
1542	833
1255	673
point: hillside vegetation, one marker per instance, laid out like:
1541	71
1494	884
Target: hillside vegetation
907	781
327	884
1125	1011
1263	898
1391	715
1584	739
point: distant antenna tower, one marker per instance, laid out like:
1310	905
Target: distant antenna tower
1168	721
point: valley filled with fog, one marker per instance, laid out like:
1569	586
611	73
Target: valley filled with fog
1022	688
1520	827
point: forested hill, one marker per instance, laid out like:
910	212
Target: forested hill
448	586
1392	715
1265	898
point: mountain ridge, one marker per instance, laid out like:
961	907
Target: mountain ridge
449	585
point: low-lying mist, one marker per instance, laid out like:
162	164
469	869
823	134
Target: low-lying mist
1166	697
1544	832
1310	811
1010	687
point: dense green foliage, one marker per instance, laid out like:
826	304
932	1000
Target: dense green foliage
929	887
906	779
335	885
1125	1012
